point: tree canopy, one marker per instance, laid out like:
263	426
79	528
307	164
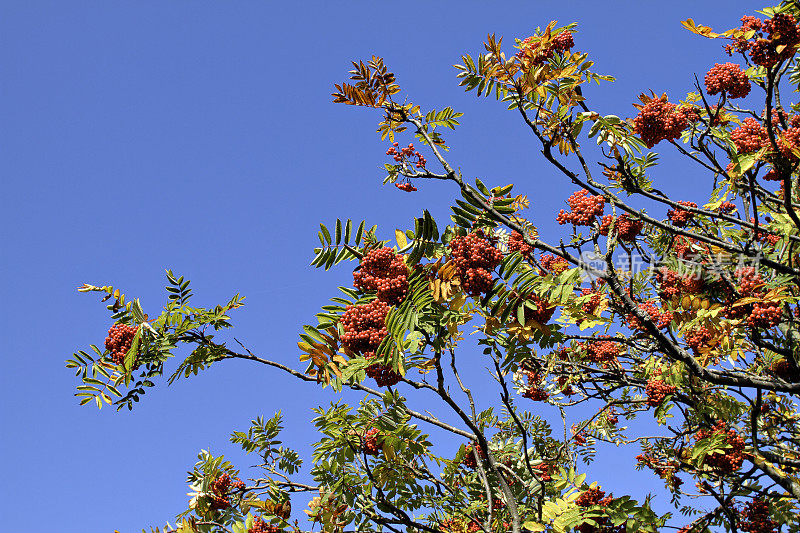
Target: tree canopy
682	311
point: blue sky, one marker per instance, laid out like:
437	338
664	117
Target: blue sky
200	136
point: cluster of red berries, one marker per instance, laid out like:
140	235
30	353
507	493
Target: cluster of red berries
537	394
469	458
781	119
692	284
763	53
732	457
404	154
767	237
535	52
563	42
750	136
590	306
593	496
662	319
626	228
685	247
259	526
671	283
681	217
728	78
772	175
789	143
564	386
697	338
583	209
544	470
737	312
578	436
780	31
726	207
119	341
659	120
516	243
750	281
543	312
383	271
602	352
364	326
657	391
405	186
783	369
664	469
474	256
563	353
535	391
497	504
221	488
554	264
755	517
383	375
765	315
371	442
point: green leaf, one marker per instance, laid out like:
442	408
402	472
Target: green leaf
326	233
359	232
521	315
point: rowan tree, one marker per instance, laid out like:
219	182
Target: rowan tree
679	310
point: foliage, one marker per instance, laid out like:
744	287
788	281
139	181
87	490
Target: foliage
690	316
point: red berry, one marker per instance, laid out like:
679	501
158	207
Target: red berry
733	455
659	120
681	217
474	256
119	341
728	78
750	136
383	271
583	209
657	391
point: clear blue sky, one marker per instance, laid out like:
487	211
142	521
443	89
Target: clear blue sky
200	136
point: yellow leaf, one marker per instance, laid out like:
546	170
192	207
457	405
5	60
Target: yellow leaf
535	527
588	324
705	31
388	451
401	238
447	270
745	301
541	327
427	366
452	327
458	301
434	288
